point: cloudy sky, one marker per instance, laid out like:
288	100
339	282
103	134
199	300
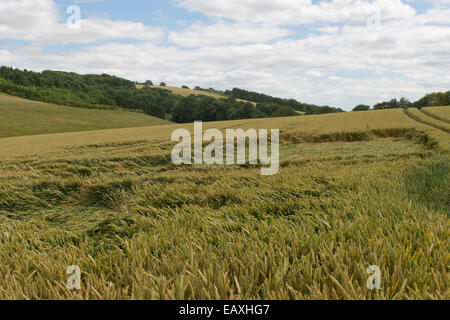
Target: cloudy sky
335	52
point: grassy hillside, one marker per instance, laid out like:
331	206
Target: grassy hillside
354	190
20	117
186	92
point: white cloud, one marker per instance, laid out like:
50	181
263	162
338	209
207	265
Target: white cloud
330	29
313	73
220	33
436	16
39	21
297	12
5	56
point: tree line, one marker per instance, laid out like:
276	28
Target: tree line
85	91
294	104
434	99
195	107
110	92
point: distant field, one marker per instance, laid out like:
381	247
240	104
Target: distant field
308	125
186	92
20	117
431	119
354	190
440	113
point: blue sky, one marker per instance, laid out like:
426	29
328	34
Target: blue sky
335	52
156	13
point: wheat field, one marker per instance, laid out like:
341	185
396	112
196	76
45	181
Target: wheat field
439	113
184	92
354	190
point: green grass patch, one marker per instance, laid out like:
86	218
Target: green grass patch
20	117
428	183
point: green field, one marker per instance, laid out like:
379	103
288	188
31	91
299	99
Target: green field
354	190
21	117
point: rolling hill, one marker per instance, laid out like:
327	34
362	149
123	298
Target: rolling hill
21	117
186	92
